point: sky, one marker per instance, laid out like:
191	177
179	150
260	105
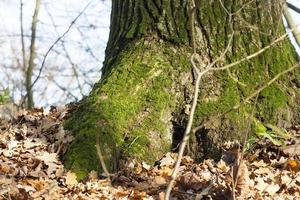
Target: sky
85	45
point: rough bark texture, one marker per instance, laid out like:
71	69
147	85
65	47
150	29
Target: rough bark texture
139	106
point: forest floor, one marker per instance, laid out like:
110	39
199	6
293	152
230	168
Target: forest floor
30	168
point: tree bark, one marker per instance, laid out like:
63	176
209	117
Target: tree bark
140	106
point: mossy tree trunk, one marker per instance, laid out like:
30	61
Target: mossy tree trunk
139	107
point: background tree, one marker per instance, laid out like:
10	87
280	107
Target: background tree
139	108
30	67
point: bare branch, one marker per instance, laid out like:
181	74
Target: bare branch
297	65
294	8
291	22
252	55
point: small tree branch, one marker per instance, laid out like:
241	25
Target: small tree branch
252	55
294	8
297	65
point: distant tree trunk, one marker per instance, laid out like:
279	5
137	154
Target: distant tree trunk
140	106
22	37
29	70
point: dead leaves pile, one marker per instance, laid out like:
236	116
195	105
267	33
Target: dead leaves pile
32	144
30	168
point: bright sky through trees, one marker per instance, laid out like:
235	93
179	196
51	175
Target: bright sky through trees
84	43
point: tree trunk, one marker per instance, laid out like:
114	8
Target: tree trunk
140	106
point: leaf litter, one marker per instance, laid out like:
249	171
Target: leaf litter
33	142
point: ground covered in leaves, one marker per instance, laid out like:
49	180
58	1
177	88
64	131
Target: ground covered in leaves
32	144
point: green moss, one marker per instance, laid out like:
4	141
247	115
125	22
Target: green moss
129	109
272	100
131	106
244	79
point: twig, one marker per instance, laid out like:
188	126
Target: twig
297	65
193	107
252	55
233	183
100	156
186	134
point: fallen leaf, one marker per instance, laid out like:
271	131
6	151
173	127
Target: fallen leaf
261	184
159	180
48	157
146	166
167	160
71	178
291	150
272	189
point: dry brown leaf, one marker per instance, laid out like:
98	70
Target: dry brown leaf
161	196
37	184
93	174
192	181
71	178
221	165
285	179
262	170
122	194
291	150
205	175
187	160
159	180
165	171
272	189
4	168
146	166
47	157
167	160
261	184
